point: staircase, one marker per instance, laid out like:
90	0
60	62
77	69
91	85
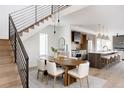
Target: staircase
32	19
35	29
6	55
9	76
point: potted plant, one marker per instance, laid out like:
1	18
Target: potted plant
54	50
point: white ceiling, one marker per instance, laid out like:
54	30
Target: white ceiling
108	15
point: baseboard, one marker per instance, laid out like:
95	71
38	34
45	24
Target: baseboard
4	39
34	67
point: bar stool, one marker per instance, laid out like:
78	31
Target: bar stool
119	56
116	57
112	58
106	60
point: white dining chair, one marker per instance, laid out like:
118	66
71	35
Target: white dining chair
53	71
74	58
80	72
41	68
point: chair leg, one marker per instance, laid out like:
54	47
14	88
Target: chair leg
81	83
37	74
54	82
62	75
42	77
87	81
47	79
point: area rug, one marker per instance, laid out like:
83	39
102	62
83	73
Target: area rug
94	82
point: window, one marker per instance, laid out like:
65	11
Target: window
43	44
90	45
99	44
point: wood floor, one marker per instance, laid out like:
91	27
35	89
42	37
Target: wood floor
113	74
9	76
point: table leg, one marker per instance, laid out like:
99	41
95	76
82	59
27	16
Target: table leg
66	77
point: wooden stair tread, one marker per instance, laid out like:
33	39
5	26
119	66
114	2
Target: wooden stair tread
12	84
9	76
5	47
6	59
4	42
7	56
10	65
6	53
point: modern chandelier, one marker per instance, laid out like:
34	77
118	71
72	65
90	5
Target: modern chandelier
101	32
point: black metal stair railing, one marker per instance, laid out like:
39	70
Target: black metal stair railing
21	57
33	14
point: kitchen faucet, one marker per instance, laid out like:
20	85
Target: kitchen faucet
105	47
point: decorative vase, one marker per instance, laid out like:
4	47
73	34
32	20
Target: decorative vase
55	55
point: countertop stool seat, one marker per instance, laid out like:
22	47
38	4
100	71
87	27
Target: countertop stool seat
115	57
119	57
106	60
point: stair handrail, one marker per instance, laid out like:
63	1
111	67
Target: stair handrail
34	14
20	54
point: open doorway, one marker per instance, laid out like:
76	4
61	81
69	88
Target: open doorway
43	44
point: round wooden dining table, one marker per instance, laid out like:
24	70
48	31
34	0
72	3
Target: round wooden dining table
66	64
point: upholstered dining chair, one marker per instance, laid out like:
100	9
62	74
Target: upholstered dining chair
73	58
41	67
80	72
53	71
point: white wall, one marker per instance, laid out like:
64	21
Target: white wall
65	31
4	12
52	38
33	48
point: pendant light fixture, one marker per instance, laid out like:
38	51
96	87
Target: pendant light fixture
54	29
58	14
99	30
107	36
103	36
53	19
58	19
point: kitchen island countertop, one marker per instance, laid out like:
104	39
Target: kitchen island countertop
103	52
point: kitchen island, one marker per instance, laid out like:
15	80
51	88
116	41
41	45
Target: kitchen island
96	58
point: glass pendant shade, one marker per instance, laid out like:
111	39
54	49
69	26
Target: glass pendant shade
99	35
107	37
103	37
103	29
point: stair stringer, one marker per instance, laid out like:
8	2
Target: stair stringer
64	12
36	29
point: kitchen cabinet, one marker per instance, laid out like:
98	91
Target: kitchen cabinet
95	58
